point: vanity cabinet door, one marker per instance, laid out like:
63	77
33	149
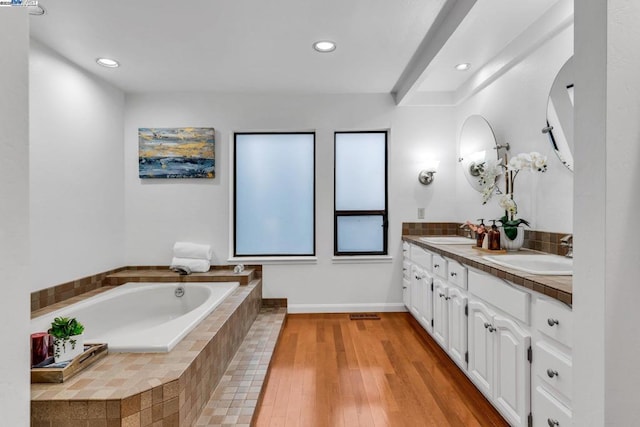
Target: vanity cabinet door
417	275
440	313
426	313
406	293
512	370
457	301
481	359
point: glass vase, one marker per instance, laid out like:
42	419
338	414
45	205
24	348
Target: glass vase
512	245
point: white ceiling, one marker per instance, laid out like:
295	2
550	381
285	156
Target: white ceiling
263	46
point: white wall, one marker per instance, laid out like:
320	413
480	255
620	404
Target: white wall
515	106
14	211
607	201
159	212
77	175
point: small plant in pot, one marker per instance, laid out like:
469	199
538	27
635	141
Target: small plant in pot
67	338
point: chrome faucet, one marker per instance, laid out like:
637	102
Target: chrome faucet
466	228
568	242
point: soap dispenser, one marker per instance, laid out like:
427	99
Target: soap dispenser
480	233
494	237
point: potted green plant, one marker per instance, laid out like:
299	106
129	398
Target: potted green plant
67	338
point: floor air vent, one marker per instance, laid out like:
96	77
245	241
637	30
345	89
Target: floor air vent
364	316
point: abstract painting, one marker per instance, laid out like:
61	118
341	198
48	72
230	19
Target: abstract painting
176	152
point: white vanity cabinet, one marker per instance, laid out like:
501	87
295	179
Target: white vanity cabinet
552	363
458	338
421	286
500	345
513	343
406	275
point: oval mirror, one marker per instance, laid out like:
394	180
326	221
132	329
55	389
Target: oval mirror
477	146
560	115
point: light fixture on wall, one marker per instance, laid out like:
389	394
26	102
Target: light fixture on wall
426	175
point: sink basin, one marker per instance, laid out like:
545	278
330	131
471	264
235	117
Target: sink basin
448	240
548	265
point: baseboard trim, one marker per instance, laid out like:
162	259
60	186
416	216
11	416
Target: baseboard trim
345	308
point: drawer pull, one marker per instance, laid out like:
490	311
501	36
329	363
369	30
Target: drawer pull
447	298
453	274
553	322
436	265
551	373
552	422
441	295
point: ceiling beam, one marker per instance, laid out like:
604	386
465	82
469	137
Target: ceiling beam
451	15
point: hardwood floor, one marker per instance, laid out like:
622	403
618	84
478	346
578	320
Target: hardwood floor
331	371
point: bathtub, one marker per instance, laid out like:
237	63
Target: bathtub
142	317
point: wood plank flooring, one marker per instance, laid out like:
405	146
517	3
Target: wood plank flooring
331	371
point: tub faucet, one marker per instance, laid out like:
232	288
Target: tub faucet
568	242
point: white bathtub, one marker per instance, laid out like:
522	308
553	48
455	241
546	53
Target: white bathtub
142	317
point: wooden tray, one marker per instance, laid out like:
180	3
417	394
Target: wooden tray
489	251
58	375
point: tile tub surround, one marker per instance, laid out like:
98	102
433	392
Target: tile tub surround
237	396
152	389
118	276
542	241
558	287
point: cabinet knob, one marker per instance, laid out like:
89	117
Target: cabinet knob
436	265
453	274
551	373
404	287
552	422
553	322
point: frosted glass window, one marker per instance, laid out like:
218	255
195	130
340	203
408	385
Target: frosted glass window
360	171
274	194
360	234
360	193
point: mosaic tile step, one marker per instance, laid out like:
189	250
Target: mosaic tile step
235	399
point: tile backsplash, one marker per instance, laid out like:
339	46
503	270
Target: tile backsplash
543	241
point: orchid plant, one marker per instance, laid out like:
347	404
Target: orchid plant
533	161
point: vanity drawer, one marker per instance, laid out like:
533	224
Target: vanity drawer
421	257
439	266
554	368
548	412
457	274
500	294
554	320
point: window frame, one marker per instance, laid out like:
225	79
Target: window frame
343	213
293	256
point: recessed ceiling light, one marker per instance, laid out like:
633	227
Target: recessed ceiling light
109	63
463	67
324	46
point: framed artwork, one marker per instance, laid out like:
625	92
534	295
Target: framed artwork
176	153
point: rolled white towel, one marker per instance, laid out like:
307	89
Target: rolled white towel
192	250
195	265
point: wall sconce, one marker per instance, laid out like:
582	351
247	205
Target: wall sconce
426	176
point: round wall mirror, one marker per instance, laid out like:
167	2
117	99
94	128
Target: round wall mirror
477	147
560	115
